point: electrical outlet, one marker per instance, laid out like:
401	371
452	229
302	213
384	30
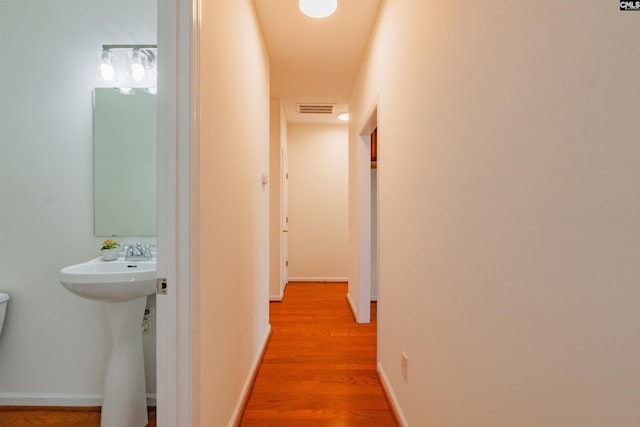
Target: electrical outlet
405	366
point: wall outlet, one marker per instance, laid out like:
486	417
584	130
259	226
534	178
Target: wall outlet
405	366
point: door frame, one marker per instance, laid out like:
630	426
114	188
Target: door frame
361	306
178	137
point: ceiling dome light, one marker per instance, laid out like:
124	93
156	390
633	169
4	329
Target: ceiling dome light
318	8
344	117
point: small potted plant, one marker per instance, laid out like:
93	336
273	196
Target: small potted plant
110	250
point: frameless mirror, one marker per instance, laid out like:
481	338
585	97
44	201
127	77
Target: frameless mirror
124	162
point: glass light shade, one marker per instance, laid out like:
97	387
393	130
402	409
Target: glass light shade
106	66
137	68
318	8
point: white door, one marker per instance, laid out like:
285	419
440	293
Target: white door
285	223
177	89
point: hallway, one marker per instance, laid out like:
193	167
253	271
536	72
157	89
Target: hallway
320	366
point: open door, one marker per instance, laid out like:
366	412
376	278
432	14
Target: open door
360	278
284	276
374	215
177	90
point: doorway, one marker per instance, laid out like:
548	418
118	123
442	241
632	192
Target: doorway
374	214
366	205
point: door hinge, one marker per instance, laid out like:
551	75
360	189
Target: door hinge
161	285
286	264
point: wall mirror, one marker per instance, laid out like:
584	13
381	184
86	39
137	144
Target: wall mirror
125	142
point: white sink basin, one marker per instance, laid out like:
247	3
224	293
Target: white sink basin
111	281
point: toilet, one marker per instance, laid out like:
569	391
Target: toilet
4	298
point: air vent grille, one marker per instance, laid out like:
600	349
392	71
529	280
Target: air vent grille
315	108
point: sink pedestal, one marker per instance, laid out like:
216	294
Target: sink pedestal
125	397
124	286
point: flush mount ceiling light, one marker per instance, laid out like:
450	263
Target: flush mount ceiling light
343	117
318	8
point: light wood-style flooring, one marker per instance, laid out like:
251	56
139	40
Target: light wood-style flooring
319	369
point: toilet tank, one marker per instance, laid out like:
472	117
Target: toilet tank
3	308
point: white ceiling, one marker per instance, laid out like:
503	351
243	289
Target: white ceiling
315	60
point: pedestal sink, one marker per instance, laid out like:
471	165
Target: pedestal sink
124	286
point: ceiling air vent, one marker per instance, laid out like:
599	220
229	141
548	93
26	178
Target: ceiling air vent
315	108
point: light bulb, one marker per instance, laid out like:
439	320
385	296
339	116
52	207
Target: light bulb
106	71
137	69
126	90
137	72
106	67
318	8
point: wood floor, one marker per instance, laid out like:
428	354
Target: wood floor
55	417
320	366
319	370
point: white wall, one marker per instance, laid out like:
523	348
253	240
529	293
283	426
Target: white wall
318	201
231	224
508	171
54	346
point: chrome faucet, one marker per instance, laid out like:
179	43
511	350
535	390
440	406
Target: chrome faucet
137	252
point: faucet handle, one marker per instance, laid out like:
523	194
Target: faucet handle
128	249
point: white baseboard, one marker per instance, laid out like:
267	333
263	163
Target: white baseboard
58	399
352	307
318	279
248	382
280	297
392	396
50	399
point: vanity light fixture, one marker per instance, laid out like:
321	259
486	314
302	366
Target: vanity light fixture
128	65
343	117
318	8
